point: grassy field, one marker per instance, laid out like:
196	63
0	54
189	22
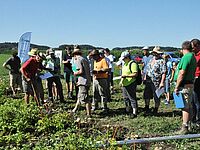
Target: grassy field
22	127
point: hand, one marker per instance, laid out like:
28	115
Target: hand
123	76
144	82
28	79
94	71
49	69
161	85
120	83
75	73
176	90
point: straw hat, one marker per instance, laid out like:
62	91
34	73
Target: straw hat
33	52
157	50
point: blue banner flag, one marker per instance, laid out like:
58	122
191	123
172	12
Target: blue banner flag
24	46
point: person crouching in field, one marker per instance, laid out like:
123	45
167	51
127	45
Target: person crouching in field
128	82
14	72
84	80
29	70
155	76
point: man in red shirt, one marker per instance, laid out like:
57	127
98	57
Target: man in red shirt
29	70
196	94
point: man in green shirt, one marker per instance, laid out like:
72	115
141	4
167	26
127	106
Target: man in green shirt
184	77
128	78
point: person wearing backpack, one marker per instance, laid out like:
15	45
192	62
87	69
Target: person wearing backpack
129	84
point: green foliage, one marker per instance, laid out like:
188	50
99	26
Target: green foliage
23	127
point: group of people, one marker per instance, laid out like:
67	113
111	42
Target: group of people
78	74
158	72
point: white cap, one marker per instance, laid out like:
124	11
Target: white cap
124	55
145	48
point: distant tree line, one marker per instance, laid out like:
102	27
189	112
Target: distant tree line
8	47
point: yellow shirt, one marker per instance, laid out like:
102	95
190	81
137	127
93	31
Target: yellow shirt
126	71
99	65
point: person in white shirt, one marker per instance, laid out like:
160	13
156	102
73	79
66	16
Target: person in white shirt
111	58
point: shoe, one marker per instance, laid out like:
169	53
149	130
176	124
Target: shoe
183	130
155	111
70	95
128	109
105	110
146	109
132	116
166	102
62	101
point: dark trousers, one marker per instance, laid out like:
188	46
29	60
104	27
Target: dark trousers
56	80
196	100
129	94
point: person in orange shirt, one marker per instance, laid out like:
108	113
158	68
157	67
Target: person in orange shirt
100	81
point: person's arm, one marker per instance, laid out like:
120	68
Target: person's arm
132	75
6	66
66	61
24	72
105	66
80	68
162	80
164	72
172	76
134	71
179	80
24	68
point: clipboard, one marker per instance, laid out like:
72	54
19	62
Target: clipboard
179	100
46	76
160	91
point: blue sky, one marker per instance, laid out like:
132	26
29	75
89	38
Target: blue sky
105	23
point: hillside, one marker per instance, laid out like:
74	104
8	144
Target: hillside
7	47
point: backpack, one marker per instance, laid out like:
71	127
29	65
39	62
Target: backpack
139	76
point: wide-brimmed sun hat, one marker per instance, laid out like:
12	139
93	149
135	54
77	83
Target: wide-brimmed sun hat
145	48
157	50
33	52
